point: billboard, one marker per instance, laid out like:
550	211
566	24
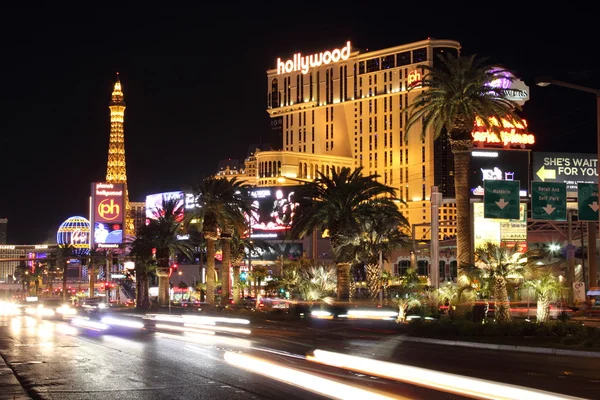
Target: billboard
273	209
509	165
508	232
107	214
289	251
154	202
271	217
569	168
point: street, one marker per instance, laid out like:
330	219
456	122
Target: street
57	359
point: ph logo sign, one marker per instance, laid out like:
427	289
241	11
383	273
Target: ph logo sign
109	210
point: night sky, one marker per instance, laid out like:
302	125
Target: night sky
195	86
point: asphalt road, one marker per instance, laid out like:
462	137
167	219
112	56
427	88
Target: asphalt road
54	360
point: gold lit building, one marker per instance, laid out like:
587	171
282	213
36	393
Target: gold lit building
345	108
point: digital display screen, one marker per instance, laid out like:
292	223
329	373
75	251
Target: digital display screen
273	210
108	233
509	165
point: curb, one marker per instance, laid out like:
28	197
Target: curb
506	347
11	386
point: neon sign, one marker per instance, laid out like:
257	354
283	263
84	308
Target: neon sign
414	78
507	136
304	63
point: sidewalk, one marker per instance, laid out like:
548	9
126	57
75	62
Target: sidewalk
11	387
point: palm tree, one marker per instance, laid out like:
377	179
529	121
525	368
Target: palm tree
317	282
37	273
259	273
498	264
95	257
337	205
547	288
407	293
455	94
63	254
242	246
24	273
220	209
161	234
382	232
51	274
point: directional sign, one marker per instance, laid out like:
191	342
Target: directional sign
587	201
501	199
549	201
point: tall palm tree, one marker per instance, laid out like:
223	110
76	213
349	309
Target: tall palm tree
37	273
237	197
241	247
498	264
95	257
382	232
161	234
220	209
259	273
63	254
23	272
455	93
337	205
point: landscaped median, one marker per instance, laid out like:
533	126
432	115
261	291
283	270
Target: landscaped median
555	337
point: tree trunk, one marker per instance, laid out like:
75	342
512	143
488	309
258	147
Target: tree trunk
343	281
91	277
64	282
163	285
373	282
225	270
543	309
210	267
501	305
462	164
50	286
236	284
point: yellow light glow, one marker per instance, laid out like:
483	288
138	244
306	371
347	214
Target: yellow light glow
451	383
304	380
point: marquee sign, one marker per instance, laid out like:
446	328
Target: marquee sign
304	63
107	213
508	136
513	89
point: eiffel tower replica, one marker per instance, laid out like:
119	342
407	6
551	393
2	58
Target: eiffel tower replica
116	171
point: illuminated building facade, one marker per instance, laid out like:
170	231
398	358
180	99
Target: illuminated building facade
11	256
3	230
137	213
116	171
346	108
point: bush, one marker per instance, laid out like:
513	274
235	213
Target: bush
568	333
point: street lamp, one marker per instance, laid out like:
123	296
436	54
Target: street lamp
192	275
544	81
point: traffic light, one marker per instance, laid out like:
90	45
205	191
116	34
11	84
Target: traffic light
243	276
172	268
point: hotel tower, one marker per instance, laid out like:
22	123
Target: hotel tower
346	107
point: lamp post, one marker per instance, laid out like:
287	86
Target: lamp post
546	81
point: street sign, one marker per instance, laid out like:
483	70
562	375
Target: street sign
587	201
549	201
501	199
